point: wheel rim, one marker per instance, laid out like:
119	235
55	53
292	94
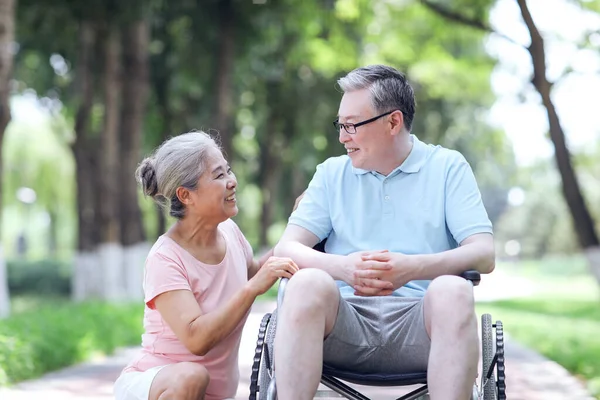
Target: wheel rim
500	371
258	356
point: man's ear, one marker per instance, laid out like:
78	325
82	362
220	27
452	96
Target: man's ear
397	122
183	195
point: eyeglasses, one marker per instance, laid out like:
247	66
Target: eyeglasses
351	128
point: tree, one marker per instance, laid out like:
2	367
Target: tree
135	99
571	189
583	222
107	111
7	22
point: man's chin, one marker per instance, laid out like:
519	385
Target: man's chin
356	163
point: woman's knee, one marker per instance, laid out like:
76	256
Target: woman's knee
182	380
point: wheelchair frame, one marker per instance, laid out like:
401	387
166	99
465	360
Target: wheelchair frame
493	386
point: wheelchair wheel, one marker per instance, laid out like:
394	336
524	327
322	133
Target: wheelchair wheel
487	352
258	358
262	367
500	377
493	382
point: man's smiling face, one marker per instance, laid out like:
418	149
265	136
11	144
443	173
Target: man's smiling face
366	147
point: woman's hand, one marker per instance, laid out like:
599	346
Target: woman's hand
273	269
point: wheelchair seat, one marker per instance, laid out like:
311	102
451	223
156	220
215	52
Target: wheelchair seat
405	379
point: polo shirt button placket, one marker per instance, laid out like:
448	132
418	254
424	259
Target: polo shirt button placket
387	204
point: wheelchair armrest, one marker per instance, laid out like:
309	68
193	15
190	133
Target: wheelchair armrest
472	275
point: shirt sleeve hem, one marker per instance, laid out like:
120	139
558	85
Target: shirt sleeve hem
473	231
311	228
163	289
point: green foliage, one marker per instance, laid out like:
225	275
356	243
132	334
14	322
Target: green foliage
561	317
288	55
61	334
37	156
43	277
542	224
563	330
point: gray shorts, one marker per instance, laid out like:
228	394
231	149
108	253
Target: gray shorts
384	334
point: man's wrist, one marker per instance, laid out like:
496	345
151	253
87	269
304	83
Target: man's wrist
416	266
341	270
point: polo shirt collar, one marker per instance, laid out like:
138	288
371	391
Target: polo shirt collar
413	163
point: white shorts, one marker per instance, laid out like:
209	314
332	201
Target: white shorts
135	385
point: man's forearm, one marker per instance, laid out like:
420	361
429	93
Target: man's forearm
306	257
478	256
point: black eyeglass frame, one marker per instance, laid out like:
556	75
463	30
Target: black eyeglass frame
338	126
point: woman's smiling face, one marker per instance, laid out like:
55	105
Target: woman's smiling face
215	194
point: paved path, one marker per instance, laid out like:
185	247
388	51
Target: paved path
529	376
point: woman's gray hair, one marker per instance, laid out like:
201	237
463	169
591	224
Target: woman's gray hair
179	161
389	89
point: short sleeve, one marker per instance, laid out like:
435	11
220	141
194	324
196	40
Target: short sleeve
312	213
163	275
465	212
246	247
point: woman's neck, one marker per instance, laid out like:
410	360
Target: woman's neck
195	233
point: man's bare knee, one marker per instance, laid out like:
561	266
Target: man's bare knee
312	285
312	293
451	291
449	298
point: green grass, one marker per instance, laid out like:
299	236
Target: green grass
42	338
561	318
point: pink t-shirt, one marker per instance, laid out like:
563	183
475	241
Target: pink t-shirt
170	267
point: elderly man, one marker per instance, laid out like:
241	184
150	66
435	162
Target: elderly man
402	219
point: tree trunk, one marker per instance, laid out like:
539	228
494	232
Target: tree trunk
135	95
86	275
583	223
582	219
162	75
110	249
270	160
161	226
7	32
224	120
269	179
53	233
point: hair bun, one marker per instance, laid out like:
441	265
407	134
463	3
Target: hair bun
146	174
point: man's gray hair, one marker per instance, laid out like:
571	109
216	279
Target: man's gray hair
389	89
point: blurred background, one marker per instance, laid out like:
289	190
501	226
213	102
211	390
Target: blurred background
87	89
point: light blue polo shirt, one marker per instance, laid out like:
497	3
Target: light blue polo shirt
427	205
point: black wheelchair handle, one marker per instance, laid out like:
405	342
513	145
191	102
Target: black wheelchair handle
472	275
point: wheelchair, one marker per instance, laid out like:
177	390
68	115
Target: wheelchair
491	387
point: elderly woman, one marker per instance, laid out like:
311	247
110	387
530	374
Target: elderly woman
200	278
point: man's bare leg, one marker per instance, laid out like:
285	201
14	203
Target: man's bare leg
452	326
307	316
